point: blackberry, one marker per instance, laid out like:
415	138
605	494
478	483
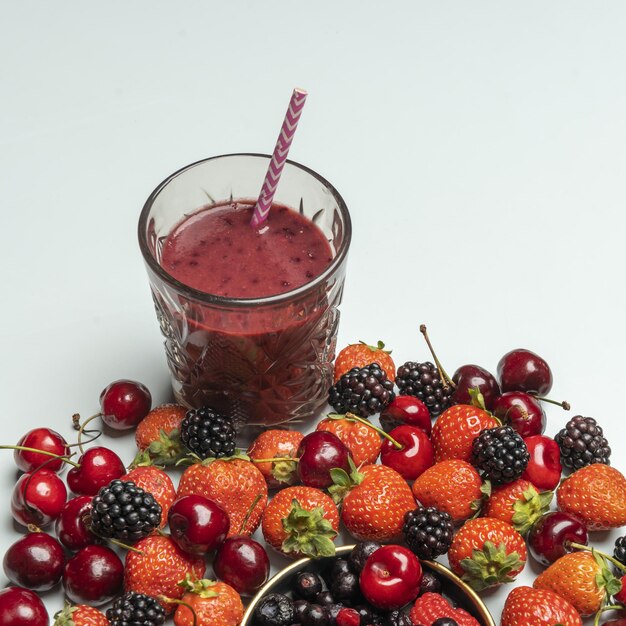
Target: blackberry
363	390
582	443
501	454
423	381
619	552
207	433
135	609
428	532
274	609
123	511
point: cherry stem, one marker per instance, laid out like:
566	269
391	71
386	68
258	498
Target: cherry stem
276	459
65	459
580	546
380	431
125	546
444	376
33	528
182	603
248	514
603	609
81	428
564	405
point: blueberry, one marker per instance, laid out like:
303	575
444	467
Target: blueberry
360	553
308	585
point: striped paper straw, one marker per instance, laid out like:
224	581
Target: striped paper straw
287	131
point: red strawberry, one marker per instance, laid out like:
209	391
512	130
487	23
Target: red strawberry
432	606
158	435
214	604
158	567
360	438
154	480
273	444
487	552
235	484
80	615
361	354
533	607
455	430
301	521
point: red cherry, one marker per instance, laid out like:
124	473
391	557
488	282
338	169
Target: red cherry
71	525
551	534
319	452
21	607
620	596
348	617
197	525
544	468
391	577
406	410
521	412
35	561
44	439
38	498
124	403
621	621
523	370
471	377
414	457
98	467
94	575
243	564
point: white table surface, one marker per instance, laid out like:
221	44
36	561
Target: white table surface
481	148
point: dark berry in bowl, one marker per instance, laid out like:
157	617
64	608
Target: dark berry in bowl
396	618
345	587
360	553
315	615
430	584
308	585
274	609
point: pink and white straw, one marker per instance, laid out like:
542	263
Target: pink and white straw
279	156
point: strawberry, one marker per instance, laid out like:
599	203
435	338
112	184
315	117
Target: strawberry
375	500
429	607
154	480
158	436
518	503
581	578
359	437
455	430
526	606
596	494
361	354
158	567
235	484
276	444
80	615
486	552
214	604
452	486
301	521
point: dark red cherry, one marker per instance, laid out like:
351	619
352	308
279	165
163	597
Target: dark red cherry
38	498
71	526
544	467
551	535
415	455
124	403
243	564
21	607
35	561
471	377
319	452
406	410
98	467
44	439
93	576
197	525
521	412
523	370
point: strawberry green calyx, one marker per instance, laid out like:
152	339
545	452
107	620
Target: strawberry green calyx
202	587
283	471
477	505
478	400
343	482
192	458
490	566
530	509
166	450
64	617
308	532
380	345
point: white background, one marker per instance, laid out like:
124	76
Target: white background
481	148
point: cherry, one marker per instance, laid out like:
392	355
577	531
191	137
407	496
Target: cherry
406	410
471	377
523	370
94	575
97	467
319	452
44	439
198	525
243	564
415	454
544	468
71	526
522	412
21	607
124	403
35	561
620	596
391	577
38	498
551	534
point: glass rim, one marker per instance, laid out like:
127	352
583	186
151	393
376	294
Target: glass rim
242	302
